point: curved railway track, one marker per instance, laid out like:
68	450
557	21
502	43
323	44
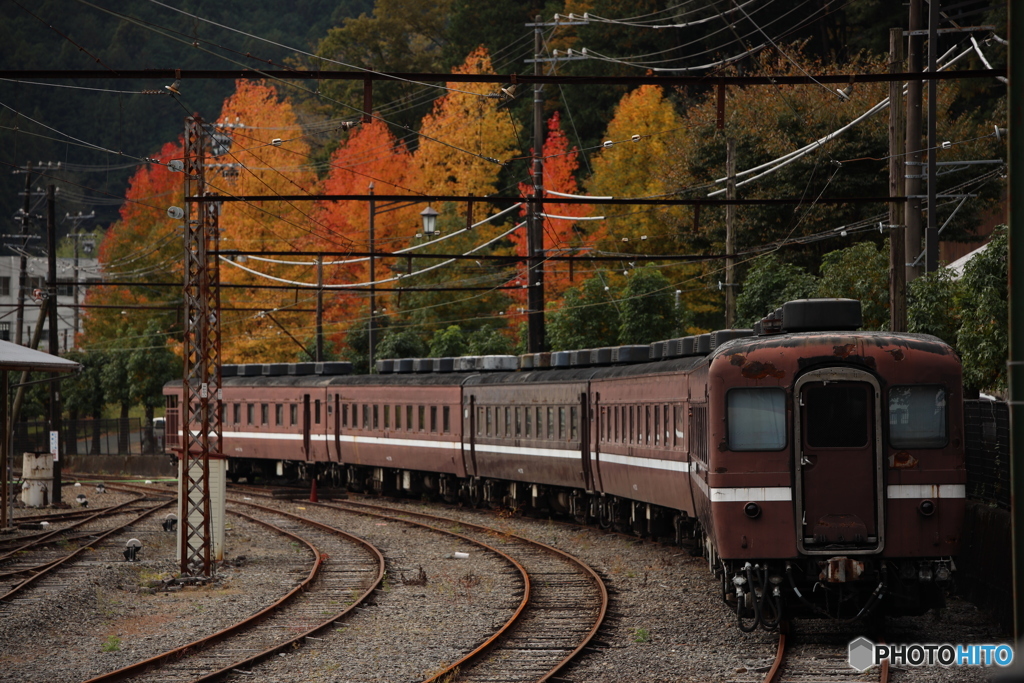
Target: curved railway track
35	562
333	575
564	604
811	662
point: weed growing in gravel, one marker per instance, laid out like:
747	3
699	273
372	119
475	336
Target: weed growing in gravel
113	644
641	635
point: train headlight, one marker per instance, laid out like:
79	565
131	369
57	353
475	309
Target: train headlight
942	573
926	507
752	510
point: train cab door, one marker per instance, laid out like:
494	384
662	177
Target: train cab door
838	465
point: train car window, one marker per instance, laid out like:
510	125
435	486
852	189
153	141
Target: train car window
238	413
657	427
446	419
316	411
756	419
387	416
479	420
264	414
366	416
250	413
376	416
519	422
551	423
633	422
529	422
278	414
698	432
487	429
423	420
408	418
344	415
574	417
540	422
508	422
917	417
561	422
433	419
398	417
294	410
837	415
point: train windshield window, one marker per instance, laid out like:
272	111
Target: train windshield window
917	417
756	419
837	416
446	419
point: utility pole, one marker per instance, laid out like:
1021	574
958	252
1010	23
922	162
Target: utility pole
1015	264
202	409
913	240
319	308
19	317
897	210
373	287
535	226
51	300
931	236
77	220
730	238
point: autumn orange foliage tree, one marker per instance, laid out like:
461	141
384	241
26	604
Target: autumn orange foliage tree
562	236
371	157
143	246
269	155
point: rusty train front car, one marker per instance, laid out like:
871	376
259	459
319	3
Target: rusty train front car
835	468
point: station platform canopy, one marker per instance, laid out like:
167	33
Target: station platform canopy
14	358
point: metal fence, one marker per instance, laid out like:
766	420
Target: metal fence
89	437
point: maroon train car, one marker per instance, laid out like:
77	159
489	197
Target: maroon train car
819	468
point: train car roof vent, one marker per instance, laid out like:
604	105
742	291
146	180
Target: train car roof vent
229	371
702	345
673	348
465	364
275	369
495	363
526	361
689	346
422	364
719	337
385	366
250	370
334	367
809	315
560	359
446	364
634	353
542	360
602	356
301	368
656	350
403	365
579	359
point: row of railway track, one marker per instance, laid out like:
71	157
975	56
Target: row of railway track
562	601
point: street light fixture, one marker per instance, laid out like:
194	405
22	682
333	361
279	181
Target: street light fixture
429	221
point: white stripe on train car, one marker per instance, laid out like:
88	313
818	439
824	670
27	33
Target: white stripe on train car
745	494
927	491
651	463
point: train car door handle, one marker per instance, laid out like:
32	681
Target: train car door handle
804	460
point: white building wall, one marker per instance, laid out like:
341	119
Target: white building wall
35	289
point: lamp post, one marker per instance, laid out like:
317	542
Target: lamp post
429	217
